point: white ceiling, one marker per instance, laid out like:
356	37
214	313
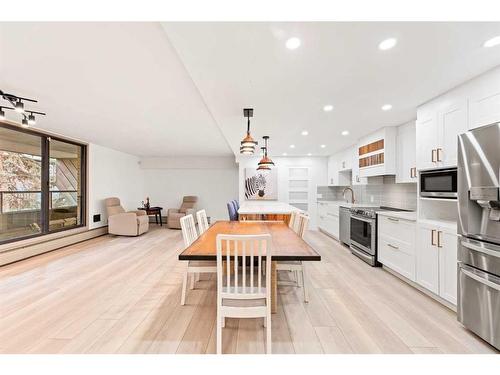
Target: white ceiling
120	85
176	89
236	65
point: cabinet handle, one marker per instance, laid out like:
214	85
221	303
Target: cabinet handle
439	238
434	155
392	219
439	151
432	237
394	247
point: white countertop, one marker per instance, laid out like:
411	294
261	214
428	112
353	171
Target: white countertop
266	207
405	215
349	205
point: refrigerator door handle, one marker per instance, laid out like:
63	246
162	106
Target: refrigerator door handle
480	279
481	249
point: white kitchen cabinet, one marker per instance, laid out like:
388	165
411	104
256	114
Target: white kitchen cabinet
377	153
339	165
427	258
447	243
396	245
438	125
436	255
333	171
426	133
406	157
328	218
452	121
345	159
484	100
356	178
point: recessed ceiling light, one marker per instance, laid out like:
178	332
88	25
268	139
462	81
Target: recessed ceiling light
322	146
292	146
285	154
386	107
293	43
387	44
304	132
309	154
328	108
492	42
345	132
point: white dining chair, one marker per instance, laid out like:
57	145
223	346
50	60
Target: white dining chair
194	268
201	216
296	266
243	290
293	220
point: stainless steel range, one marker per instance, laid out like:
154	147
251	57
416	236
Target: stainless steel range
364	232
479	228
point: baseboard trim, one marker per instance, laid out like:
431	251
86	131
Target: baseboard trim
442	301
29	251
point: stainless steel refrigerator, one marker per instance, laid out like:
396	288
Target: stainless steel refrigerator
479	229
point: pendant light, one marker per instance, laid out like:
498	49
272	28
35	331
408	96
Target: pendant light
265	163
263	167
248	144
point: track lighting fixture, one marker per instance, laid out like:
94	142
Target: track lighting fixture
18	103
248	144
19	106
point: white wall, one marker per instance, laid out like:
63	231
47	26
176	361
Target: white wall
317	173
112	174
213	179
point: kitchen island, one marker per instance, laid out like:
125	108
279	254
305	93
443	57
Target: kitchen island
266	210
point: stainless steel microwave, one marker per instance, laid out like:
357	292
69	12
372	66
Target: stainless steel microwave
439	183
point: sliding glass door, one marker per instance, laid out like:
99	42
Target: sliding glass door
42	184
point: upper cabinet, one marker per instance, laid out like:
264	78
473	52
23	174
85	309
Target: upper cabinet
339	168
377	153
406	168
475	103
333	171
439	122
484	100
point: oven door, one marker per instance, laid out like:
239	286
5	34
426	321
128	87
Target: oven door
363	234
439	184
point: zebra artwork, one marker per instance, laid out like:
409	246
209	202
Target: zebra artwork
259	185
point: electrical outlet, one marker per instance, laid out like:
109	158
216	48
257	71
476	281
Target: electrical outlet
319	196
97	218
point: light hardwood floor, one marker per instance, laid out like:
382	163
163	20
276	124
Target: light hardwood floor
121	295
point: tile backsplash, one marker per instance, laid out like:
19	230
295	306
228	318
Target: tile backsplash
387	194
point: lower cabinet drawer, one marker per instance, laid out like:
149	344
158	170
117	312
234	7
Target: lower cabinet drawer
397	255
398	228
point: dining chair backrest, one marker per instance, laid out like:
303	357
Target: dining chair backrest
293	220
201	216
234	279
236	204
303	222
233	216
188	229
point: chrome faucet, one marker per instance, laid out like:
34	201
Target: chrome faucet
352	194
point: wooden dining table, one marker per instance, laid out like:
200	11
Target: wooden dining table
286	245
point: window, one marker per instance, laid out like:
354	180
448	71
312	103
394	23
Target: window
41	184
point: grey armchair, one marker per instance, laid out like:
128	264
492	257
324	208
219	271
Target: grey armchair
174	215
132	223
